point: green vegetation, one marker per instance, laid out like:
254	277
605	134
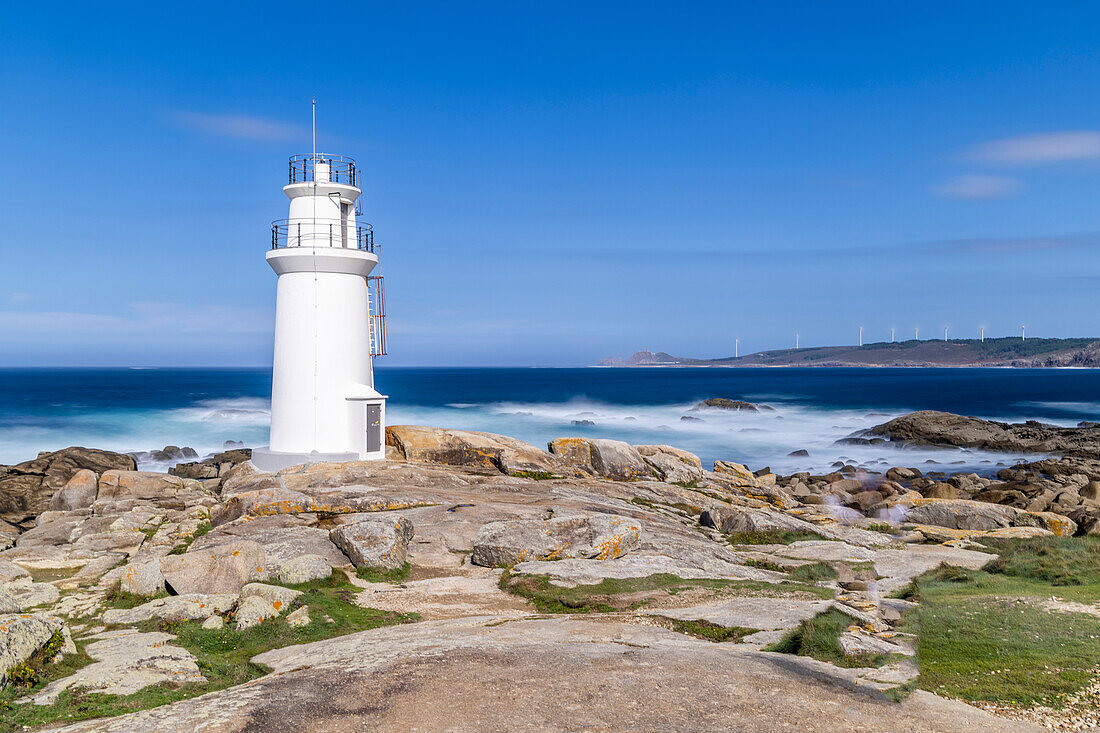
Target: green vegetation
770	538
199	532
1056	560
222	655
704	629
818	638
26	674
883	527
986	636
116	598
813	572
382	575
628	594
536	475
762	564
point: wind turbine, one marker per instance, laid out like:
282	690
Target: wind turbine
983	334
861	335
1023	332
891	334
736	344
916	333
796	339
945	333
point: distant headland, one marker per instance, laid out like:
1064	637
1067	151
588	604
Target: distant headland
991	352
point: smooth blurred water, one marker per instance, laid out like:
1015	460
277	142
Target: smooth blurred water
142	409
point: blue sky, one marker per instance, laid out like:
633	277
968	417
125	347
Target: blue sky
553	182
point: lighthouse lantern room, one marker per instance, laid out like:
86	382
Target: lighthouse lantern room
329	322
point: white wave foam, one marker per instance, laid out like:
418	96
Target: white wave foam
754	438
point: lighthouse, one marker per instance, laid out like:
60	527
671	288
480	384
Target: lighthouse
329	322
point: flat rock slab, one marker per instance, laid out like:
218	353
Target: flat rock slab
548	674
900	566
446	597
283	538
764	614
827	551
587	572
127	661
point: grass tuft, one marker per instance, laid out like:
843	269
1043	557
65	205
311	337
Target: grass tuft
703	629
817	637
382	575
536	475
770	538
813	572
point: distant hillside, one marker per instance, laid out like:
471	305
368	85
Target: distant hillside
1011	352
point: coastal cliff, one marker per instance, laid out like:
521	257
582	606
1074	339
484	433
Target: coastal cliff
998	352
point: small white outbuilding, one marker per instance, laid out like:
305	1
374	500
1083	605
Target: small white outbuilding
329	322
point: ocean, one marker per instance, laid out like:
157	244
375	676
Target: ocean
145	409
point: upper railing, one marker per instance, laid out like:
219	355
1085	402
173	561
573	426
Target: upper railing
321	233
341	169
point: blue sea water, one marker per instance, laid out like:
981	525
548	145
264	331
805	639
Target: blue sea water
143	409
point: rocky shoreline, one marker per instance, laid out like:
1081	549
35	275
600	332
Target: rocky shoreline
114	580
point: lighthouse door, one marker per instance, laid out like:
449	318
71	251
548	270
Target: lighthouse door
374	428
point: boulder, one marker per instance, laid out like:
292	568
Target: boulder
730	520
253	611
299	617
21	636
929	427
375	543
8	603
27	488
220	569
188	607
142	579
721	403
159	489
29	594
976	515
741	480
611	459
78	492
594	536
9	572
304	569
685	457
279	597
471	448
858	644
940	490
216	466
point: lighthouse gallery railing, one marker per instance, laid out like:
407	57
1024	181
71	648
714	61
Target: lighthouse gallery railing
320	233
341	168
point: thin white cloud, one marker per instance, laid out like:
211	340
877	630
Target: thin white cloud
241	126
14	298
978	188
143	319
1051	147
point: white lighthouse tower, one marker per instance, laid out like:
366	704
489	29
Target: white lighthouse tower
328	322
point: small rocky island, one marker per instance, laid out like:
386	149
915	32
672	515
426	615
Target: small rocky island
475	582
